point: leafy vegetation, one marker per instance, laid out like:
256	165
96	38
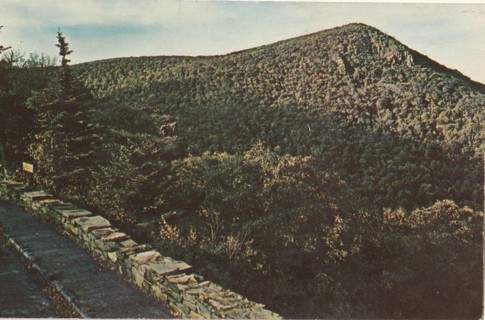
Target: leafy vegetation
391	122
337	174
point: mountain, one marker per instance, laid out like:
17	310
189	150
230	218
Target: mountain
401	129
337	174
334	175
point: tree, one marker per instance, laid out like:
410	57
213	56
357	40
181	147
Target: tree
431	261
3	93
14	58
64	144
3	69
66	83
2	48
18	79
64	50
269	221
36	60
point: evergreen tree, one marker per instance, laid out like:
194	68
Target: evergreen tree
3	91
64	50
66	82
64	149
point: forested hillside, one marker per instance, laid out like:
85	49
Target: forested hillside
400	128
338	174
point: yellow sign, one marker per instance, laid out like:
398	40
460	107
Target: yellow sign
27	167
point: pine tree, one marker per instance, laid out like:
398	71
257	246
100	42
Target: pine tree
3	88
64	50
66	81
65	146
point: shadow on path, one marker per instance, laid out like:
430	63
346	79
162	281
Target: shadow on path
97	292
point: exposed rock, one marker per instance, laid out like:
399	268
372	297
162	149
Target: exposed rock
168	266
89	223
145	257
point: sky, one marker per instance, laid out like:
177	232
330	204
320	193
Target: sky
452	34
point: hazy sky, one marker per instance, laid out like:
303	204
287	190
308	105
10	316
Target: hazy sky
452	34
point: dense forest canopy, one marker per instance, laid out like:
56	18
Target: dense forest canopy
337	95
337	174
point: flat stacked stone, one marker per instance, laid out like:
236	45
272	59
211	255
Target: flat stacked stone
87	224
67	215
101	247
36	195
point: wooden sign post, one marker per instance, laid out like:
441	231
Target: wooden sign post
28	170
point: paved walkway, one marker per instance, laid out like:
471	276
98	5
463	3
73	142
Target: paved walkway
97	292
21	294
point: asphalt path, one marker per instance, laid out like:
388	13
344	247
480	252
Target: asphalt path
21	293
95	291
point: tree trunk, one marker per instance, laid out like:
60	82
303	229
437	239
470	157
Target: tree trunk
3	162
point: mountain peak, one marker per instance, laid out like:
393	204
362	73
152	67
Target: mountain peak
355	45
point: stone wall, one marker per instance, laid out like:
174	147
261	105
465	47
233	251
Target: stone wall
186	294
